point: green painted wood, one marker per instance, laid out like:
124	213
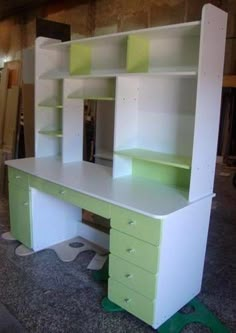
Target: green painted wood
53	106
163	173
159	158
133	277
136	225
126	298
92	98
93	205
134	251
57	134
80	59
137	54
18	177
19	203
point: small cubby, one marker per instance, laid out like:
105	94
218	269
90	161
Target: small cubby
154	128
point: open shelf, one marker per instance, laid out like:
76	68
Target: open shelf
52	106
106	155
155	157
53	133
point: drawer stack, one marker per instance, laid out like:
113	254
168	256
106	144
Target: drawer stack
133	262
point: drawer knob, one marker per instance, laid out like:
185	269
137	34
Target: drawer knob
18	177
130	250
129	276
62	192
26	203
131	222
127	300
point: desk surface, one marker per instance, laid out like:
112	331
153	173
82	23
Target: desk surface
138	194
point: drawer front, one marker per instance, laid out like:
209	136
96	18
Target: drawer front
132	277
138	305
137	225
19	204
135	251
95	206
18	177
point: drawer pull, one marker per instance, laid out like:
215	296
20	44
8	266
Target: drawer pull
18	177
130	250
26	203
129	276
62	192
127	300
131	222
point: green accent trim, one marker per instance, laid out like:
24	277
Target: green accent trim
57	134
163	173
80	59
58	106
109	306
93	98
200	315
137	54
156	157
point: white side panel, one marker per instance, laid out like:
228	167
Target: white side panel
182	254
126	122
94	236
211	61
72	124
53	220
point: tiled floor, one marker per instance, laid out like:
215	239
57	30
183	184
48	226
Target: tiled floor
47	295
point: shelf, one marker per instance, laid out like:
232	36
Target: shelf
179	71
51	106
52	133
92	98
155	157
174	30
105	155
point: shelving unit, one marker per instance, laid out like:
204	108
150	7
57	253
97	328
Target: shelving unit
157	94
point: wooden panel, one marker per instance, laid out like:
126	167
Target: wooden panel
229	81
28	111
10	127
14	72
3	99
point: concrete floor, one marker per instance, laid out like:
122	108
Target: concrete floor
47	295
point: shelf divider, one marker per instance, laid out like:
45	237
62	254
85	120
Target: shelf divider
137	54
54	133
80	59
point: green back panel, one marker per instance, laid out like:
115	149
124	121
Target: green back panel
163	173
137	54
80	59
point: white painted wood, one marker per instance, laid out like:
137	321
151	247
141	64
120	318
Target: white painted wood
53	220
73	125
126	120
154	199
94	236
94	87
209	88
181	260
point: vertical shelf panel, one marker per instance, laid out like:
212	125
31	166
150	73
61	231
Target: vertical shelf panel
80	59
137	54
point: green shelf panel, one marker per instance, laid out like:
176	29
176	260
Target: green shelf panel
137	54
56	106
57	134
93	98
80	59
155	157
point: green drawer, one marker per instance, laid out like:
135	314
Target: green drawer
18	177
135	251
95	206
132	277
131	301
19	204
137	225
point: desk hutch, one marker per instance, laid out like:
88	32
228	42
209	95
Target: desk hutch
163	86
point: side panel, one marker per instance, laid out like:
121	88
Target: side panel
181	261
210	72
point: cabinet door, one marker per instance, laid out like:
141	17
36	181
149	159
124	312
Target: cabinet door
19	203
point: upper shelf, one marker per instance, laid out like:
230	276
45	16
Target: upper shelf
182	162
174	30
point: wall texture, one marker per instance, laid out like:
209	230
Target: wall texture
93	17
